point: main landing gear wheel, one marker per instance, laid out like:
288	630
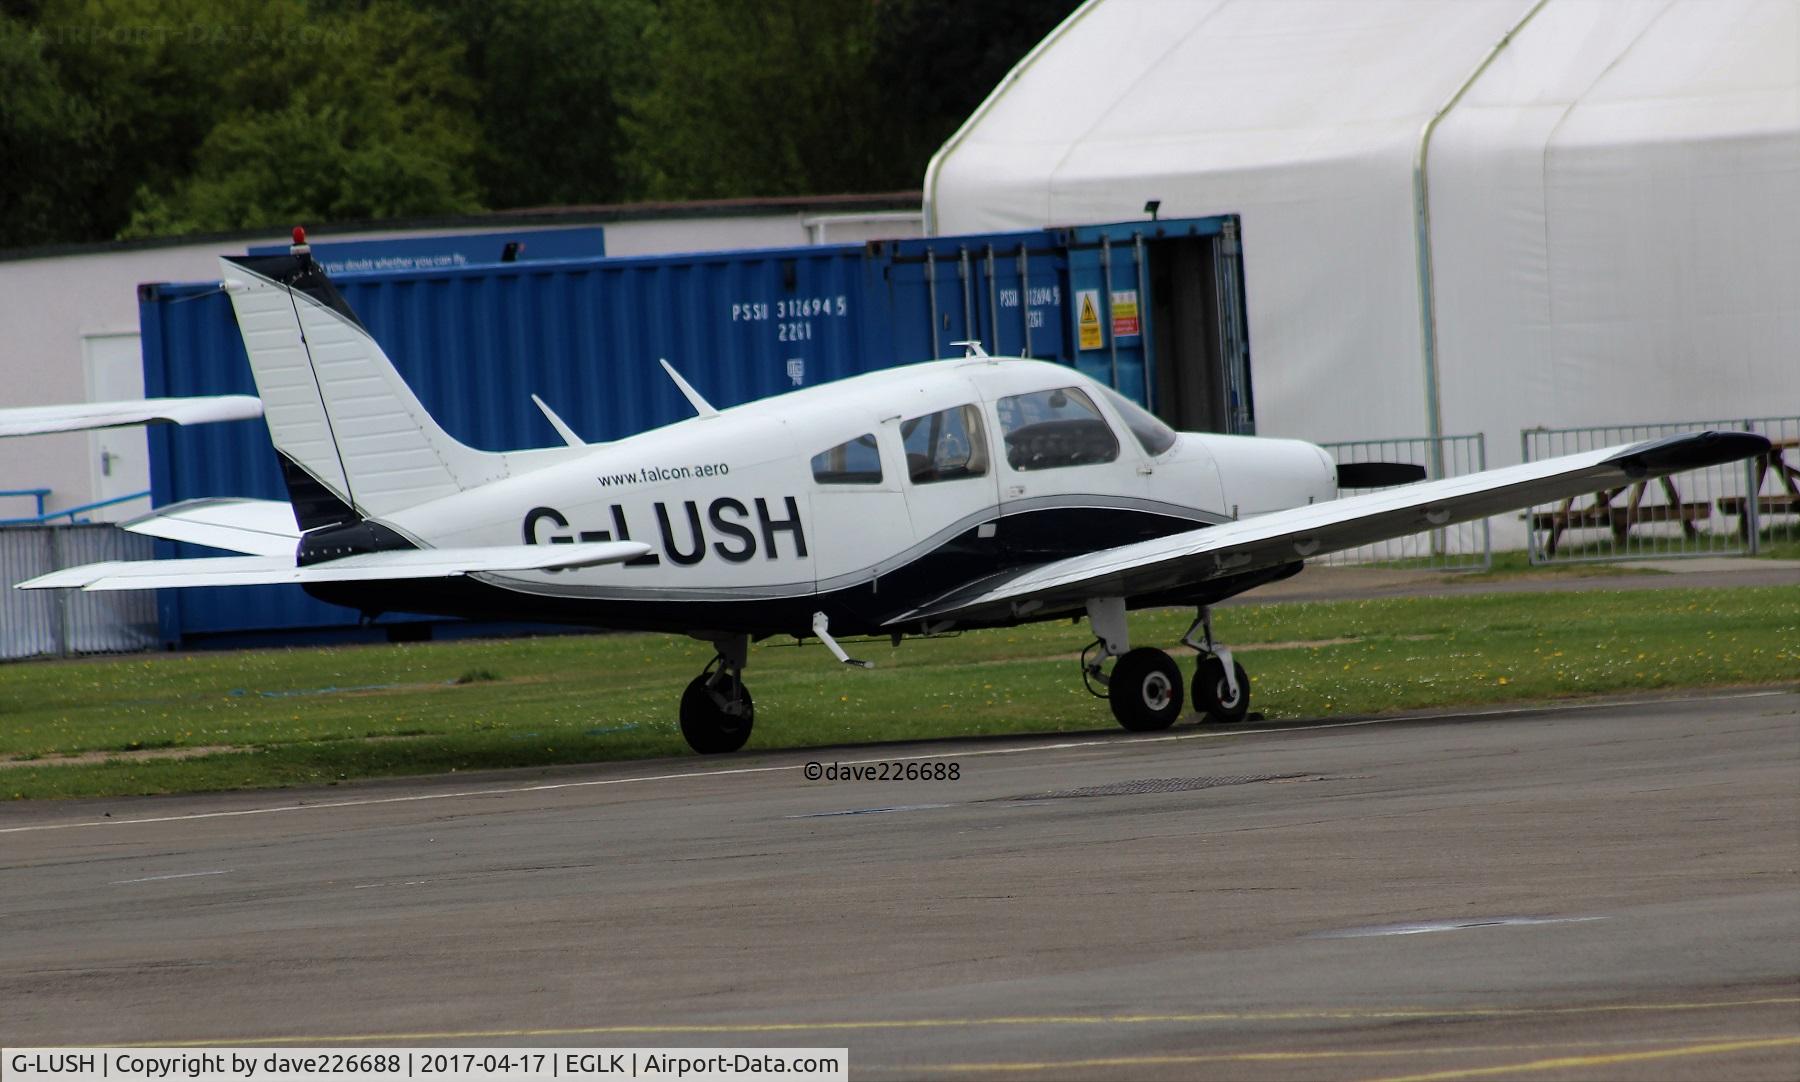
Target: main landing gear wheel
1145	690
1214	697
717	712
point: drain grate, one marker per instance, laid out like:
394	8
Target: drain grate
1160	785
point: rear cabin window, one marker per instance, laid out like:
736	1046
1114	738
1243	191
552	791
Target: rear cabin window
853	462
1154	436
945	446
1046	430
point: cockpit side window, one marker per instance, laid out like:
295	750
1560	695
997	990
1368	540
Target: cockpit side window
945	446
1045	430
853	462
1154	436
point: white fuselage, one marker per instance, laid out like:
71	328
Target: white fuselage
921	478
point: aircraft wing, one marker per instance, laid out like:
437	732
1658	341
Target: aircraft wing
1281	537
258	527
37	420
396	564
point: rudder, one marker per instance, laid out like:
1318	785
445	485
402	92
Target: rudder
354	440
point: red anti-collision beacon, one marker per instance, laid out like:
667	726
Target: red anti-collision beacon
299	247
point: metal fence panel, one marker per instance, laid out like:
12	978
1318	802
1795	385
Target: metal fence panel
30	620
1467	546
1739	508
52	623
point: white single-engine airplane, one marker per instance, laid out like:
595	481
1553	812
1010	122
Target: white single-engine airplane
966	493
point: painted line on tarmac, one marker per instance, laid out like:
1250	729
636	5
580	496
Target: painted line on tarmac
1426	927
160	878
1351	1014
1311	1055
1567	1063
689	775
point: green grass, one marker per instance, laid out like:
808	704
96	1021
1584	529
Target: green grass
321	715
1516	563
1779	546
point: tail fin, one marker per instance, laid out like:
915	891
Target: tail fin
354	440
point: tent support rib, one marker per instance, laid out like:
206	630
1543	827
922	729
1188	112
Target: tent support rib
1434	409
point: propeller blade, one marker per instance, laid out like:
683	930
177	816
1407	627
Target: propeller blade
1378	474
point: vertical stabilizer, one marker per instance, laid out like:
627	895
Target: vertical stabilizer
354	440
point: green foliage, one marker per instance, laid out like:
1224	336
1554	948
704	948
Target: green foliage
813	96
769	98
48	137
144	117
937	60
374	126
552	75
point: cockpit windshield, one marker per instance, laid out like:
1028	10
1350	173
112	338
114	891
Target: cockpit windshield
1155	436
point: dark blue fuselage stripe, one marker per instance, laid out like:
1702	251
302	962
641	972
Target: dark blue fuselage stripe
1024	540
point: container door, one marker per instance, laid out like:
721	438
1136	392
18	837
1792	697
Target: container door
1004	290
1157	309
1107	291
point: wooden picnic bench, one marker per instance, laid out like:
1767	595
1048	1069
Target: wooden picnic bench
1781	503
1603	512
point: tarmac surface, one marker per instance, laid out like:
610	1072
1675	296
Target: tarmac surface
1597	891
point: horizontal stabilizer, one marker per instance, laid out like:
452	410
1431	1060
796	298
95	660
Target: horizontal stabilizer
257	527
365	567
37	420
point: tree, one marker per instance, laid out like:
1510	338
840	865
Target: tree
48	137
770	98
939	59
143	75
551	76
371	122
809	96
140	117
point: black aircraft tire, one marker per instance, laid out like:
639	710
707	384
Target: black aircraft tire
709	730
1145	690
1214	699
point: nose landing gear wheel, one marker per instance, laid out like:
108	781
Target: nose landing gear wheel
1144	690
716	713
1214	698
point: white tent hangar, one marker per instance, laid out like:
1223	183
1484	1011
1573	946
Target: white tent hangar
1457	216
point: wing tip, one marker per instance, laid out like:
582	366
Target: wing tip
1689	451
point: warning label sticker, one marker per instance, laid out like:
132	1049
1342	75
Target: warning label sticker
1124	313
1087	303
